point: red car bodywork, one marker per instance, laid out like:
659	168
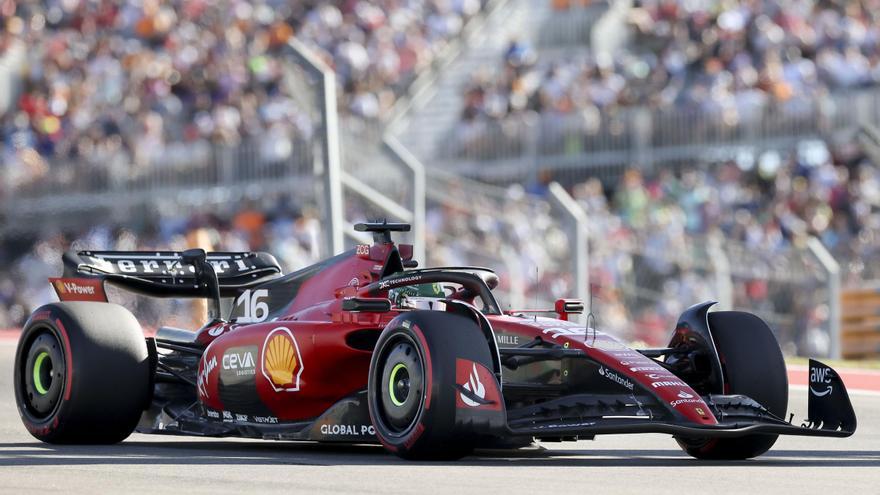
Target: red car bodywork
293	361
327	369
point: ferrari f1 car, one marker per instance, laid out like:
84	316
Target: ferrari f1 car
364	347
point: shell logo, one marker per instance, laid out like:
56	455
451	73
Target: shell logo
282	364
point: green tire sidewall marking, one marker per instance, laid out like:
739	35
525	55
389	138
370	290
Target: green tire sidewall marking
397	367
38	366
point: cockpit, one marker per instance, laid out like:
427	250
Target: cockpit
431	288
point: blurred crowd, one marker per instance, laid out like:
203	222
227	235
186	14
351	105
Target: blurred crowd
286	227
655	234
290	229
507	229
727	61
767	203
654	240
118	83
129	85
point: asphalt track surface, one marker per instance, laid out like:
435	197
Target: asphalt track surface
646	464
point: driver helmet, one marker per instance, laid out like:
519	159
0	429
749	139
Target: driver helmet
399	295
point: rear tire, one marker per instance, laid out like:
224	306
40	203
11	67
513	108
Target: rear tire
411	390
753	366
82	373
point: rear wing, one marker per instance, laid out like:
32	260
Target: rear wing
167	274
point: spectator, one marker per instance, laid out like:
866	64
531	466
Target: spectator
730	62
129	79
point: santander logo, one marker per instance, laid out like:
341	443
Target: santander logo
685	398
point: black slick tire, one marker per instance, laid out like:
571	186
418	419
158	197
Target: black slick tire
753	366
82	373
414	412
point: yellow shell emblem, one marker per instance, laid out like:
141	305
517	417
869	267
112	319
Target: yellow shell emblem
280	360
282	364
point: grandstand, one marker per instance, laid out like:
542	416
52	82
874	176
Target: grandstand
717	149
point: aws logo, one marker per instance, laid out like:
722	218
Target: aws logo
282	364
822	379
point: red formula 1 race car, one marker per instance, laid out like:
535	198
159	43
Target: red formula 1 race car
363	347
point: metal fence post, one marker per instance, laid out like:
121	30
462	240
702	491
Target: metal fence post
534	134
329	162
832	269
723	276
578	242
419	193
332	172
7	192
226	164
642	127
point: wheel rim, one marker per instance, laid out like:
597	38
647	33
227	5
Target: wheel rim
43	375
402	385
398	384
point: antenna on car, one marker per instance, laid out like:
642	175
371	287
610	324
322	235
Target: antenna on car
382	229
590	315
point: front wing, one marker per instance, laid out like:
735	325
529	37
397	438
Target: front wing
830	414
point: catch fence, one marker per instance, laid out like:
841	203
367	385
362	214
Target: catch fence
604	142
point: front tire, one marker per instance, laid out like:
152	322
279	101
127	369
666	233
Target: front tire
82	373
753	366
411	389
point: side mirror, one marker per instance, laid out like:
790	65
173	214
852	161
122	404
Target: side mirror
366	305
565	307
